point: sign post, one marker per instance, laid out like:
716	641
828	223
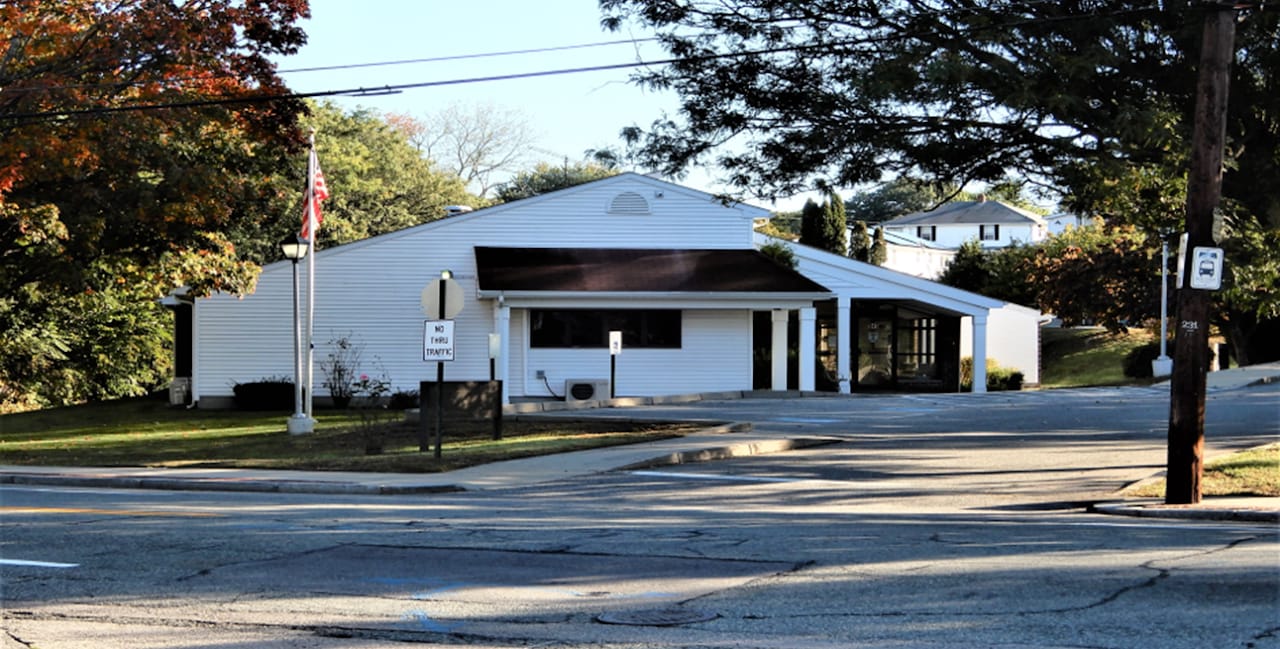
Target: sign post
615	348
495	350
441	301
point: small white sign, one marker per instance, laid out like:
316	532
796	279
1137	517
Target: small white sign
1206	269
615	343
437	340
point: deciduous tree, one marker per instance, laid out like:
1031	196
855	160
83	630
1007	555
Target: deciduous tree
1105	274
131	133
478	142
544	178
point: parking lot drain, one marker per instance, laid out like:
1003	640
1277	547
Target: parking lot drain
657	617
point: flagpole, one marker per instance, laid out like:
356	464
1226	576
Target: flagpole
313	227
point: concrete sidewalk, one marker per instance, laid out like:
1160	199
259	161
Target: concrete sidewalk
719	442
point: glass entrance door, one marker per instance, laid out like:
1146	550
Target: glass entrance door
875	351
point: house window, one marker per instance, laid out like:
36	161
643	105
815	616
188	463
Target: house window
989	232
927	232
580	328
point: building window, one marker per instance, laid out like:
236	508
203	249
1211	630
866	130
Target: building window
580	328
927	232
989	232
917	350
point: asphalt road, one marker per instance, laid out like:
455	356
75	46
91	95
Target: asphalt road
929	522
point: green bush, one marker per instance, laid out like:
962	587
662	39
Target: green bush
403	400
267	394
1137	363
999	379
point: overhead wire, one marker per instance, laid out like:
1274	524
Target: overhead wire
396	88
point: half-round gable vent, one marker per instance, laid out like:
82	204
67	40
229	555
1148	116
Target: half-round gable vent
629	203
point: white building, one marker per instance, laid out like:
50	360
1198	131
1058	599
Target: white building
676	271
915	256
992	223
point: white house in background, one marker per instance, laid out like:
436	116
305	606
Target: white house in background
992	223
676	271
1058	223
915	256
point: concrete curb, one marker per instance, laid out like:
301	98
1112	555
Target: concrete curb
628	402
219	484
731	451
1156	509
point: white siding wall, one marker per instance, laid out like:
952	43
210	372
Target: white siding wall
1013	340
372	288
715	355
928	263
953	236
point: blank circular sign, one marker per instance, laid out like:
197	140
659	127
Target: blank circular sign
452	299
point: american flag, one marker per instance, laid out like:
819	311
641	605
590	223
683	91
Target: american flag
316	191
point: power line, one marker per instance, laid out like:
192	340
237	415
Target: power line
397	88
463	57
352	66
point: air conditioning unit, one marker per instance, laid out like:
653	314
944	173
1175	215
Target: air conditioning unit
576	390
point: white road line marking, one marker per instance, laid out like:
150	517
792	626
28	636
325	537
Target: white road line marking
37	564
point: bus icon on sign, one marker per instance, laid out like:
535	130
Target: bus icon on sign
1207	272
1207	268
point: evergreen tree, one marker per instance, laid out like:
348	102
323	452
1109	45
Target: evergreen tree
879	249
860	242
834	224
811	224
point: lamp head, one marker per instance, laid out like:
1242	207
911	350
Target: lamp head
294	247
446	274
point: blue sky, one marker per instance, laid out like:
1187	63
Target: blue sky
568	113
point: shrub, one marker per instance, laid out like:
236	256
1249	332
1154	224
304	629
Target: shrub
998	378
266	394
1137	363
403	400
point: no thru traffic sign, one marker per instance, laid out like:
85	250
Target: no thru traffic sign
437	340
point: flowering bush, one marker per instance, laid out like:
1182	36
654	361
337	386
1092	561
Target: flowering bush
371	389
340	367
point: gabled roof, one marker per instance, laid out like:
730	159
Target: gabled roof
745	211
970	213
622	270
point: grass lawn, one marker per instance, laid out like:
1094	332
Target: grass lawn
148	432
1082	357
1255	472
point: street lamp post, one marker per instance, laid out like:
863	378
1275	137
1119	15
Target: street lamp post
294	248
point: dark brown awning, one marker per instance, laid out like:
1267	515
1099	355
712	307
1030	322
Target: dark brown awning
632	270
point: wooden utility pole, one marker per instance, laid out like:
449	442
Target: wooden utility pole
1204	190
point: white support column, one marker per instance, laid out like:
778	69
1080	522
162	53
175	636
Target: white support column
980	353
808	347
844	345
502	326
779	349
